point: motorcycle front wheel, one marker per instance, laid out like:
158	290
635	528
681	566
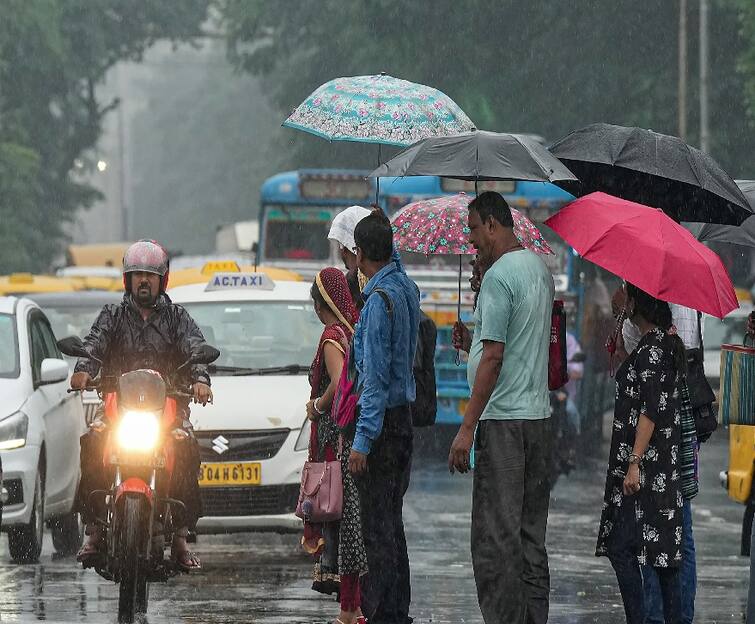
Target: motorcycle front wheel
133	532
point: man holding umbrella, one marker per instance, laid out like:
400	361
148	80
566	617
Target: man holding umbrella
508	373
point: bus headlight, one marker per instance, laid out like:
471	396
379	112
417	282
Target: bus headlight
138	431
13	431
302	442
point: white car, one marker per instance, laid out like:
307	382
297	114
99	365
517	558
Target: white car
730	330
254	438
40	426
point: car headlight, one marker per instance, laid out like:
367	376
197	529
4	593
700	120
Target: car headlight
302	442
13	431
138	431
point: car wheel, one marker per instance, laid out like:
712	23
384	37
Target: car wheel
67	534
25	542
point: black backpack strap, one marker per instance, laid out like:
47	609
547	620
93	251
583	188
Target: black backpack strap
387	300
700	330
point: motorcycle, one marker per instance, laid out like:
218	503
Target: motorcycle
142	425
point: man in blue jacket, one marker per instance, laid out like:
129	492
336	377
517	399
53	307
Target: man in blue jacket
385	340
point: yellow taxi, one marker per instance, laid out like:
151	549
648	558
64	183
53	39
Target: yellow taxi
27	283
188	276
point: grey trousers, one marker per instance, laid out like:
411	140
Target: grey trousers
509	516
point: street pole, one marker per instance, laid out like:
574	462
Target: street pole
682	107
704	113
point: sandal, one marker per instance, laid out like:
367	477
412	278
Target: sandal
88	551
187	561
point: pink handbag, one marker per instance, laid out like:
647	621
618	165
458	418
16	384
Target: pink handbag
321	491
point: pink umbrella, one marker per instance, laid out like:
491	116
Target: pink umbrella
648	249
438	226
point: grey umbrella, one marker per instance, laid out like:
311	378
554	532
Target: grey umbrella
742	235
477	155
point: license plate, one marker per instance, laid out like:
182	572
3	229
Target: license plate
240	473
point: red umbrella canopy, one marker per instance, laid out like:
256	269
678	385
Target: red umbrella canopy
648	249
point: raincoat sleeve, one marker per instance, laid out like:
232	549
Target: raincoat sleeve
97	342
374	374
189	339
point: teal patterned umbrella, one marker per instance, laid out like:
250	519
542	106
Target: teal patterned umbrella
378	109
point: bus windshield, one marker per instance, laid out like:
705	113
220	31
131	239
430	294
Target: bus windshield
296	233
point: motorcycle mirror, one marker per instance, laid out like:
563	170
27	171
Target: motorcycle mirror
205	355
73	347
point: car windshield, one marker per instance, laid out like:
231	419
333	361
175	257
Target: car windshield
730	330
71	320
8	346
259	334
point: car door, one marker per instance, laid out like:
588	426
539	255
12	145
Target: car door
62	421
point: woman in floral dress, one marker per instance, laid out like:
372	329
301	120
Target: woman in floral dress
338	546
641	521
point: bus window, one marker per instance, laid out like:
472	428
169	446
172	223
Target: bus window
296	234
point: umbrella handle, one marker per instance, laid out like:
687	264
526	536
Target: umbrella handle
457	359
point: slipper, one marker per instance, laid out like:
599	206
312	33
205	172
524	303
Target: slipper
187	561
88	551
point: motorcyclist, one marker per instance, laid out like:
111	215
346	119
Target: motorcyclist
146	330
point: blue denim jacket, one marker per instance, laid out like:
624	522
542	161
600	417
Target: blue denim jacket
384	348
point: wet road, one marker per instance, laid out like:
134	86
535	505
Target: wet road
264	579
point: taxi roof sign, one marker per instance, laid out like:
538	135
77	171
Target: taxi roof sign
240	281
220	266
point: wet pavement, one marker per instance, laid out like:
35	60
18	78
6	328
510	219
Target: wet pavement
263	579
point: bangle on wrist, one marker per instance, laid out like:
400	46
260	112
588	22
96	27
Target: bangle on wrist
316	408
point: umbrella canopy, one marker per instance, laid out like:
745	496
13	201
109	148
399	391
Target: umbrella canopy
439	227
478	155
654	169
378	109
648	249
742	235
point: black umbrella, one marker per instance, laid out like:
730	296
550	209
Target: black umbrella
742	235
653	169
477	155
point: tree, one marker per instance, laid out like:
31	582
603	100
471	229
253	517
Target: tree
52	56
512	65
747	57
205	165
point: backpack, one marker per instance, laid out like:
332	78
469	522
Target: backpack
425	404
558	374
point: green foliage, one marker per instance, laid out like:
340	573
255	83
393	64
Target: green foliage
512	65
52	56
204	166
747	57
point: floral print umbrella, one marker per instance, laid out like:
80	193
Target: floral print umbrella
439	227
378	109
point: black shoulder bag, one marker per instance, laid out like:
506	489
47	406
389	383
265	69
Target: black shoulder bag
701	394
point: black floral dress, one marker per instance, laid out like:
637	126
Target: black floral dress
344	543
647	383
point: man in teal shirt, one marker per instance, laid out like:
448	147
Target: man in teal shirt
509	406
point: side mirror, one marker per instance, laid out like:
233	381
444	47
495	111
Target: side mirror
73	347
205	355
53	371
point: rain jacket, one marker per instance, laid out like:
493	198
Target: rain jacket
124	342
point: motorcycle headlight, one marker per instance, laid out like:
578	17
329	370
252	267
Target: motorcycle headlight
302	442
138	431
13	431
